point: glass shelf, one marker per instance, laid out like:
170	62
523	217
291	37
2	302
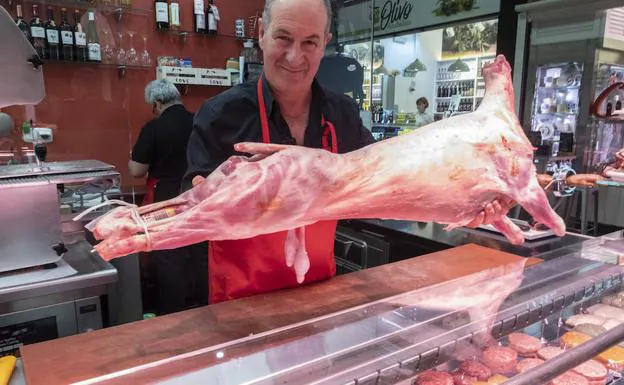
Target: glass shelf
95	64
185	33
102	6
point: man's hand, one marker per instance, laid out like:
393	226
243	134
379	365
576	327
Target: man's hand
544	180
198	179
492	212
583	180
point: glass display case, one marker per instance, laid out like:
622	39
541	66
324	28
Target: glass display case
607	126
473	321
556	108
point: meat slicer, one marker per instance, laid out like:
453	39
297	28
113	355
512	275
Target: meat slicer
40	203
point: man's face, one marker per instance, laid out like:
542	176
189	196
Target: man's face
294	43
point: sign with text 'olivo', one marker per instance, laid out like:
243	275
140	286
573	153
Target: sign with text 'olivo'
395	16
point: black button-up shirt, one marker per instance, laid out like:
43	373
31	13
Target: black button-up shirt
232	117
162	144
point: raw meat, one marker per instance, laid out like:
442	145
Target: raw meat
432	377
570	378
592	370
578	319
461	378
474	368
590	329
500	359
446	172
528	364
606	311
549	352
610	324
524	344
614	300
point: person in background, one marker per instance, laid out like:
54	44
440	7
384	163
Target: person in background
422	116
287	105
160	154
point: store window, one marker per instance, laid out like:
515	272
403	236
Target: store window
386	66
440	68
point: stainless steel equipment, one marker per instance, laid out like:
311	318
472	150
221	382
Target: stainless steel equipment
391	341
50	284
21	75
30	222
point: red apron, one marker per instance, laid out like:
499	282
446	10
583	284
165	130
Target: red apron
150	187
241	268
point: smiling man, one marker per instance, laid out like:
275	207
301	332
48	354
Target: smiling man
287	106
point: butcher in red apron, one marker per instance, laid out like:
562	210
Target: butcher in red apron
287	105
240	268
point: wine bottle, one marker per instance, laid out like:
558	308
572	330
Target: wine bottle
94	52
67	37
200	17
174	15
21	24
212	18
80	39
162	14
52	37
37	32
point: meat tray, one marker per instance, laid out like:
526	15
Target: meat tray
395	340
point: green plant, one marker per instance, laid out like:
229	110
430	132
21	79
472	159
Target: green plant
452	7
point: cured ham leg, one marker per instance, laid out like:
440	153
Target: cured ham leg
446	172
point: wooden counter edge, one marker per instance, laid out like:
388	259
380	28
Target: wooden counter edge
84	356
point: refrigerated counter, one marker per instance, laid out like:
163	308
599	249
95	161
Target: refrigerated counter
367	243
384	325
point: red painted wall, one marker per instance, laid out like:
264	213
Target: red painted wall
98	115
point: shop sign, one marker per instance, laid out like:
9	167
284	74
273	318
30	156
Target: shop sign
395	16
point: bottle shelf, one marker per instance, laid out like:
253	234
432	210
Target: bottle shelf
111	7
184	33
121	68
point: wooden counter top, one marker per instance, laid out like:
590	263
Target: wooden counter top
76	358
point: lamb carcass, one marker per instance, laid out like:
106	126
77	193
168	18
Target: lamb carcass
446	172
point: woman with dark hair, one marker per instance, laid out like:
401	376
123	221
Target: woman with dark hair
422	116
